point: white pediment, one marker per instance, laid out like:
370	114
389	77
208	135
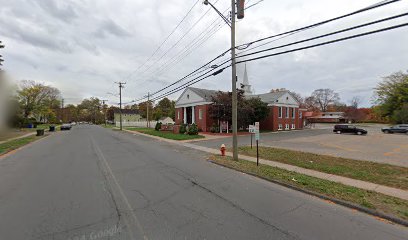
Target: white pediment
189	98
287	99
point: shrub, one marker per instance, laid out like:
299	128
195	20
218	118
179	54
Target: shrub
182	129
214	128
193	129
158	126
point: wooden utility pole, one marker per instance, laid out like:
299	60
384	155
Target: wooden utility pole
104	110
120	102
147	110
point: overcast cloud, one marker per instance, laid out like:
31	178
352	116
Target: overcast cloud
82	47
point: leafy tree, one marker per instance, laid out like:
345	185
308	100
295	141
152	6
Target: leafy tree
37	99
164	108
143	109
323	98
392	94
249	110
91	110
401	115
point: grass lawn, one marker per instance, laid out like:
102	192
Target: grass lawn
12	133
379	202
384	174
165	134
14	144
108	125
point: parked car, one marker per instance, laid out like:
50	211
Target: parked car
66	126
346	128
402	128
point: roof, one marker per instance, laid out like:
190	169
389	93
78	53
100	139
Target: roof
127	111
270	97
206	94
163	118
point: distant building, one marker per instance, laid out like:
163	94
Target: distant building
166	120
128	115
192	107
193	104
285	112
327	117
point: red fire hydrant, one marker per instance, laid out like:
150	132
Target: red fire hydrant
222	150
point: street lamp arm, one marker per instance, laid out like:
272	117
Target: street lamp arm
219	13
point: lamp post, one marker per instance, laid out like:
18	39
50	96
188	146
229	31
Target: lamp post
233	68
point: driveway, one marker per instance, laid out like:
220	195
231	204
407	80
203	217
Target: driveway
376	146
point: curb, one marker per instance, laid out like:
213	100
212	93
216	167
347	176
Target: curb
6	154
374	213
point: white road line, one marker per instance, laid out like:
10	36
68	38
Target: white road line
119	188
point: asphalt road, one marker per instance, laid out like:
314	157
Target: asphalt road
95	183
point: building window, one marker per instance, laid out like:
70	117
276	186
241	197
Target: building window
178	114
287	112
188	96
286	126
293	126
280	127
200	114
293	113
300	114
280	112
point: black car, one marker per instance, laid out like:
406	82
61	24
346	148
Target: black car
402	128
346	128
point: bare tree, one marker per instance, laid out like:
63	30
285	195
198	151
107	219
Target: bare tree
322	98
355	102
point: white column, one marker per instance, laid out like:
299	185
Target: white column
185	115
192	114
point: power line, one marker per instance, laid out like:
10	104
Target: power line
165	40
194	81
191	48
377	5
382	3
176	58
175	44
326	43
328	34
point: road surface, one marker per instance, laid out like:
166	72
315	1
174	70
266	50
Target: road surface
95	183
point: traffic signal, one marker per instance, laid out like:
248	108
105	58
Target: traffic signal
1	60
240	9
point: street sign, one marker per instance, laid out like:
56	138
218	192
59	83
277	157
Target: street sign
256	130
251	128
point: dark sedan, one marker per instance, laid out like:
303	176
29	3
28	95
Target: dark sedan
402	128
346	128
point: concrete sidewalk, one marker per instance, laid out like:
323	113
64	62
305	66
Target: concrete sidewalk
395	192
15	138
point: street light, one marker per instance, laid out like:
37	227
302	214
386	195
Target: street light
240	5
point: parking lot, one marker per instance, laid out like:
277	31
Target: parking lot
375	146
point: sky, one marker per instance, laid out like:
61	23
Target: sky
83	47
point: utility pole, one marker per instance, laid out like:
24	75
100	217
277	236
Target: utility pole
104	110
120	102
234	86
62	110
147	109
241	7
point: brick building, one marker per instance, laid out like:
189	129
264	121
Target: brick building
285	114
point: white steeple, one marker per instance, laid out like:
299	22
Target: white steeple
245	83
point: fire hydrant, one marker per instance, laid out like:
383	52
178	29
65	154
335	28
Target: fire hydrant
222	149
